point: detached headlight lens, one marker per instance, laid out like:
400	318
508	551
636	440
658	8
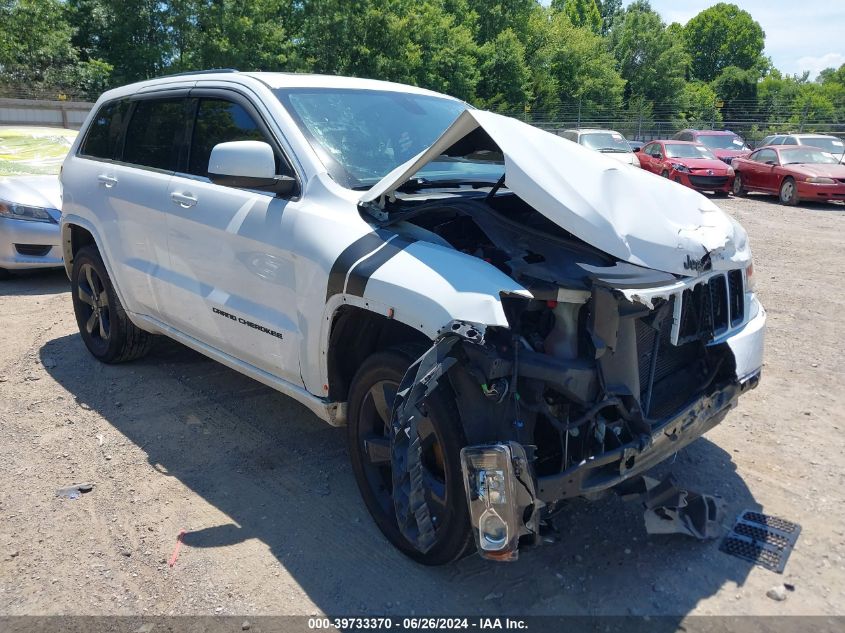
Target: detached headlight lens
679	167
23	212
819	180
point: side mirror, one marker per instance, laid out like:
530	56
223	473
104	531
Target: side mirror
637	150
249	165
770	162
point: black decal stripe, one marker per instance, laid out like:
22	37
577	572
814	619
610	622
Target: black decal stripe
360	274
351	254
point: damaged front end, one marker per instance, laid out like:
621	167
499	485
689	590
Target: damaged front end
593	382
624	347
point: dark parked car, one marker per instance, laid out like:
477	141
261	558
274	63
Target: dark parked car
725	144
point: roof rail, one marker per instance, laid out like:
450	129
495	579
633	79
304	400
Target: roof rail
210	71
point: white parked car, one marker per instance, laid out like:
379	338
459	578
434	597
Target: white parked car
30	158
502	319
608	142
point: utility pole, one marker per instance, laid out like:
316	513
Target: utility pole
804	116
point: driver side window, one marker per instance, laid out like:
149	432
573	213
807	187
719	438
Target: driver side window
221	121
766	156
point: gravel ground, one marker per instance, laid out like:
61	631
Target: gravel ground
274	521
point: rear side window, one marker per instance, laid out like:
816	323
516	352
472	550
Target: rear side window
103	137
154	133
219	121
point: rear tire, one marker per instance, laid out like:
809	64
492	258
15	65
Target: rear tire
370	402
788	192
105	329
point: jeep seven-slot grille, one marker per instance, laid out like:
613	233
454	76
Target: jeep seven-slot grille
671	375
711	307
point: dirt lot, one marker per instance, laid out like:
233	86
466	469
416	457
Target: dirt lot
275	524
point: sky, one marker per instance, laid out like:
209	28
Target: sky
805	35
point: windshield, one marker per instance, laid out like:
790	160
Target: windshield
362	135
827	143
26	151
806	155
605	142
722	141
678	150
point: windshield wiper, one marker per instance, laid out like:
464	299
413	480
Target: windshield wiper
423	183
613	150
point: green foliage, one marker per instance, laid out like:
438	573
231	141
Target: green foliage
569	63
574	58
582	13
698	106
494	16
248	35
651	61
610	11
37	52
505	79
737	90
721	36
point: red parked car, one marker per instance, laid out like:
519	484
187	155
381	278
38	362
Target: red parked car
793	172
691	164
723	143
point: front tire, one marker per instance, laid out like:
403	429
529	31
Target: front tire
4	274
105	329
738	187
788	192
371	398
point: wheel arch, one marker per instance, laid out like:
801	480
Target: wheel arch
75	235
355	334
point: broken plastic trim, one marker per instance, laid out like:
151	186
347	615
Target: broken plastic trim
412	512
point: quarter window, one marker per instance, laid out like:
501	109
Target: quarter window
103	137
219	121
154	133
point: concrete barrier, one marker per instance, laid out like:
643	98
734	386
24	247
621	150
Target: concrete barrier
67	114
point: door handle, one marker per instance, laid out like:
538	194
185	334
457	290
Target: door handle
184	200
108	181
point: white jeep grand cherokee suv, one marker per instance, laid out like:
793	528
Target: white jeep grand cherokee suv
503	319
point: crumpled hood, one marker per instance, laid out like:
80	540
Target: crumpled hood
626	212
34	191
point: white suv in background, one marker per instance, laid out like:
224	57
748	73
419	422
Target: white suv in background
503	319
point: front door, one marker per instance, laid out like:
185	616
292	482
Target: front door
233	283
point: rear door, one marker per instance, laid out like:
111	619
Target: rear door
126	162
234	284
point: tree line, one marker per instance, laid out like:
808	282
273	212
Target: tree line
584	58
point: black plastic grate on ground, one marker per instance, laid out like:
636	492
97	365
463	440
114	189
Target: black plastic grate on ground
762	539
